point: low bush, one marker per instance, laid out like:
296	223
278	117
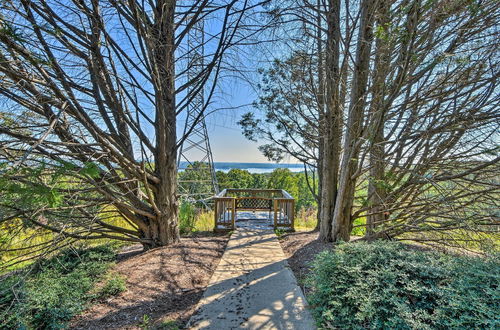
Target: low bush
113	285
388	285
194	218
48	295
306	218
187	217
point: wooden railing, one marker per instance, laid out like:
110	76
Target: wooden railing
277	202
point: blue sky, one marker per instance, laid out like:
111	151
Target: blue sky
233	98
227	142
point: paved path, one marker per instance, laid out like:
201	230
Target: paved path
252	287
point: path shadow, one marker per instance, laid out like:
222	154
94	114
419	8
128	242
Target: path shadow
231	307
253	293
162	284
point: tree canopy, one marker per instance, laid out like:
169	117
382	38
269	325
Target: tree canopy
395	104
91	92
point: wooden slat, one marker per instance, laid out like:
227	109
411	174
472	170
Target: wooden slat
283	206
275	213
253	190
233	215
216	214
221	194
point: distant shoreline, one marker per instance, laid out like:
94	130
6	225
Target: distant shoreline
254	167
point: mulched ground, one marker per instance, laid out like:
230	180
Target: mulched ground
300	248
165	284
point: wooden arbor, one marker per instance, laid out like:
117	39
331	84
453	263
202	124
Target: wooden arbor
277	202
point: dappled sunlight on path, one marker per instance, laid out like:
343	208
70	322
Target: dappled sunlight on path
252	287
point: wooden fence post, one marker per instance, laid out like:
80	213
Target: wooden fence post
216	216
275	213
233	216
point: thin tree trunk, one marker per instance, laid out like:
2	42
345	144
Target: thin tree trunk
321	111
342	222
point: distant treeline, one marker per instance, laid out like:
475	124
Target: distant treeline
225	166
297	184
281	178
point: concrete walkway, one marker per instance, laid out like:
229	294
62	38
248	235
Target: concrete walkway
252	287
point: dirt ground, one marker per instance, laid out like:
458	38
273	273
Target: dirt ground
163	285
300	248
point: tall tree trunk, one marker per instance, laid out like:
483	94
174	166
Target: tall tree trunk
332	126
321	110
377	185
165	229
342	222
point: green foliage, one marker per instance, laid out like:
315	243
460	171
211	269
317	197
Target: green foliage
113	285
280	178
32	191
260	180
236	178
167	325
359	228
279	232
187	217
283	178
55	290
90	169
146	322
194	219
305	198
40	186
385	285
11	313
196	178
285	86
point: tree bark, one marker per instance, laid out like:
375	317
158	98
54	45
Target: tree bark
165	229
332	127
321	111
342	222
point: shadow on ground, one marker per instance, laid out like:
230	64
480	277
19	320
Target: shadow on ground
252	287
300	249
162	284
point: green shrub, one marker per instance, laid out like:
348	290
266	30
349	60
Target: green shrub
55	289
387	285
187	217
194	218
279	232
11	292
359	228
167	325
113	285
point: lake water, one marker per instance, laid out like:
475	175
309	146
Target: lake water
254	167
